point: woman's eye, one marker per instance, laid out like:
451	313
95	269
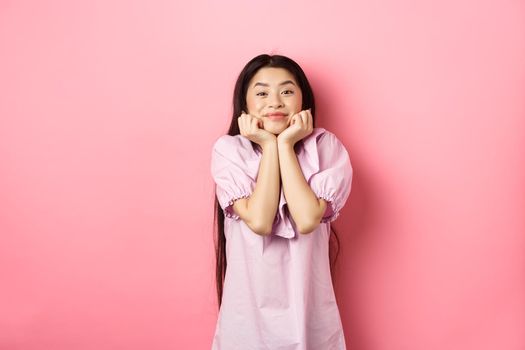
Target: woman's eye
285	92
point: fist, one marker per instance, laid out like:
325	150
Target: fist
301	125
252	128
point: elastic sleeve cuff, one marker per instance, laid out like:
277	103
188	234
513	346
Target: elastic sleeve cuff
332	209
227	204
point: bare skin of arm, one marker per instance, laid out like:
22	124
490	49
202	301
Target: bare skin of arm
258	211
304	206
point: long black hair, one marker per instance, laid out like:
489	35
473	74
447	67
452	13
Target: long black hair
239	104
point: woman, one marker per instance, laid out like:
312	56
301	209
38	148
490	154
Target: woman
279	184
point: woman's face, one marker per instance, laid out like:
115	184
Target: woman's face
274	96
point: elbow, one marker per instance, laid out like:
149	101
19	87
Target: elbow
261	228
308	223
306	228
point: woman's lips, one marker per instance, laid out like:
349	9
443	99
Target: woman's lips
276	116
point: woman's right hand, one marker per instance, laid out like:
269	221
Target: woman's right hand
252	128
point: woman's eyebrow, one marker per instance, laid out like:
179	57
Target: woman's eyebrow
283	83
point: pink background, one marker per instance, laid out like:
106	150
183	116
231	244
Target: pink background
109	109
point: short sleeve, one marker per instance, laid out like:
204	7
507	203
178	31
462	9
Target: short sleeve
333	181
232	169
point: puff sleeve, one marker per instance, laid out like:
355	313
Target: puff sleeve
333	181
232	169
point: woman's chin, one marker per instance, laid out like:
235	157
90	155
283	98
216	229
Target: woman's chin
275	130
275	127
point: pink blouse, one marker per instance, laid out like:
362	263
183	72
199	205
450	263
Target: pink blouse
278	291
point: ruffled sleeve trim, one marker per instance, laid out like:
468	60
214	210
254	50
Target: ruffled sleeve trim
234	169
228	210
333	178
332	210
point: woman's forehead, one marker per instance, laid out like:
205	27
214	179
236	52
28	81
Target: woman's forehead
272	76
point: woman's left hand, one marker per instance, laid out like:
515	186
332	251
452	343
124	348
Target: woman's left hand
301	125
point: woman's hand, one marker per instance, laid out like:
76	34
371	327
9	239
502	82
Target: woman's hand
252	128
301	125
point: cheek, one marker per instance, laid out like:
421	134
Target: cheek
251	104
298	105
300	100
255	107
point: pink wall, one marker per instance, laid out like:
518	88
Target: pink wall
108	111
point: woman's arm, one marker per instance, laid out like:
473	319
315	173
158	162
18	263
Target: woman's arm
304	206
258	211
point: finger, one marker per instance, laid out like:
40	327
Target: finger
290	121
246	124
254	122
297	118
305	119
240	123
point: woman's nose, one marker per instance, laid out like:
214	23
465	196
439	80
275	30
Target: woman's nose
276	101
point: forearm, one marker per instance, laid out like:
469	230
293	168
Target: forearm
304	206
261	206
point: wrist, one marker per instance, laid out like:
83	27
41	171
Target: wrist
268	143
285	143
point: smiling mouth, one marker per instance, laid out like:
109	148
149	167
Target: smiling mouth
276	116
